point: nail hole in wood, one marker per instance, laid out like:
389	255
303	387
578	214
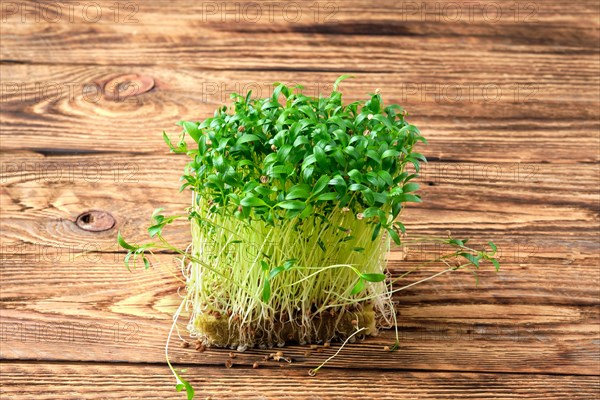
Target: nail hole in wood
95	221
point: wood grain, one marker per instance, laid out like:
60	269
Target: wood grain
505	202
543	313
448	324
392	32
510	106
55	381
62	109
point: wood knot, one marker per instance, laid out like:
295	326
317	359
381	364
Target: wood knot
95	221
124	86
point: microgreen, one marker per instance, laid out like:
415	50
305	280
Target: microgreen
295	202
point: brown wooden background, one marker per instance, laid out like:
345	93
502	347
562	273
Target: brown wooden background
506	92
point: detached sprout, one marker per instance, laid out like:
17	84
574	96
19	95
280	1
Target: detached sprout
295	201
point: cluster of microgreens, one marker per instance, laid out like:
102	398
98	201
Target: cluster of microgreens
295	203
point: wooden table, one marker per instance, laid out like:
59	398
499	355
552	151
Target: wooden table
506	92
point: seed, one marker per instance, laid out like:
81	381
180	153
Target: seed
273	147
240	208
354	322
231	355
255	365
307	353
279	354
264	179
360	216
228	363
241	128
266	358
386	348
377	91
200	347
208	142
366	132
314	346
326	345
370	117
345	209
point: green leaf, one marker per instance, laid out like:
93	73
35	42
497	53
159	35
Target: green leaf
373	277
394	235
191	129
472	259
168	141
291	205
123	243
390	153
252	201
307	211
264	265
155	230
298	192
387	178
337	181
327	196
496	264
275	271
320	156
320	185
183	384
247	138
300	140
409	198
493	246
456	242
384	120
357	187
355	175
289	263
126	260
373	155
400	226
339	80
266	293
410	187
358	287
376	231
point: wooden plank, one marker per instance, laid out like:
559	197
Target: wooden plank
72	108
509	203
96	311
236	39
55	381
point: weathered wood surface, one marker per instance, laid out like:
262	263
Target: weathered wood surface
492	113
511	110
55	381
